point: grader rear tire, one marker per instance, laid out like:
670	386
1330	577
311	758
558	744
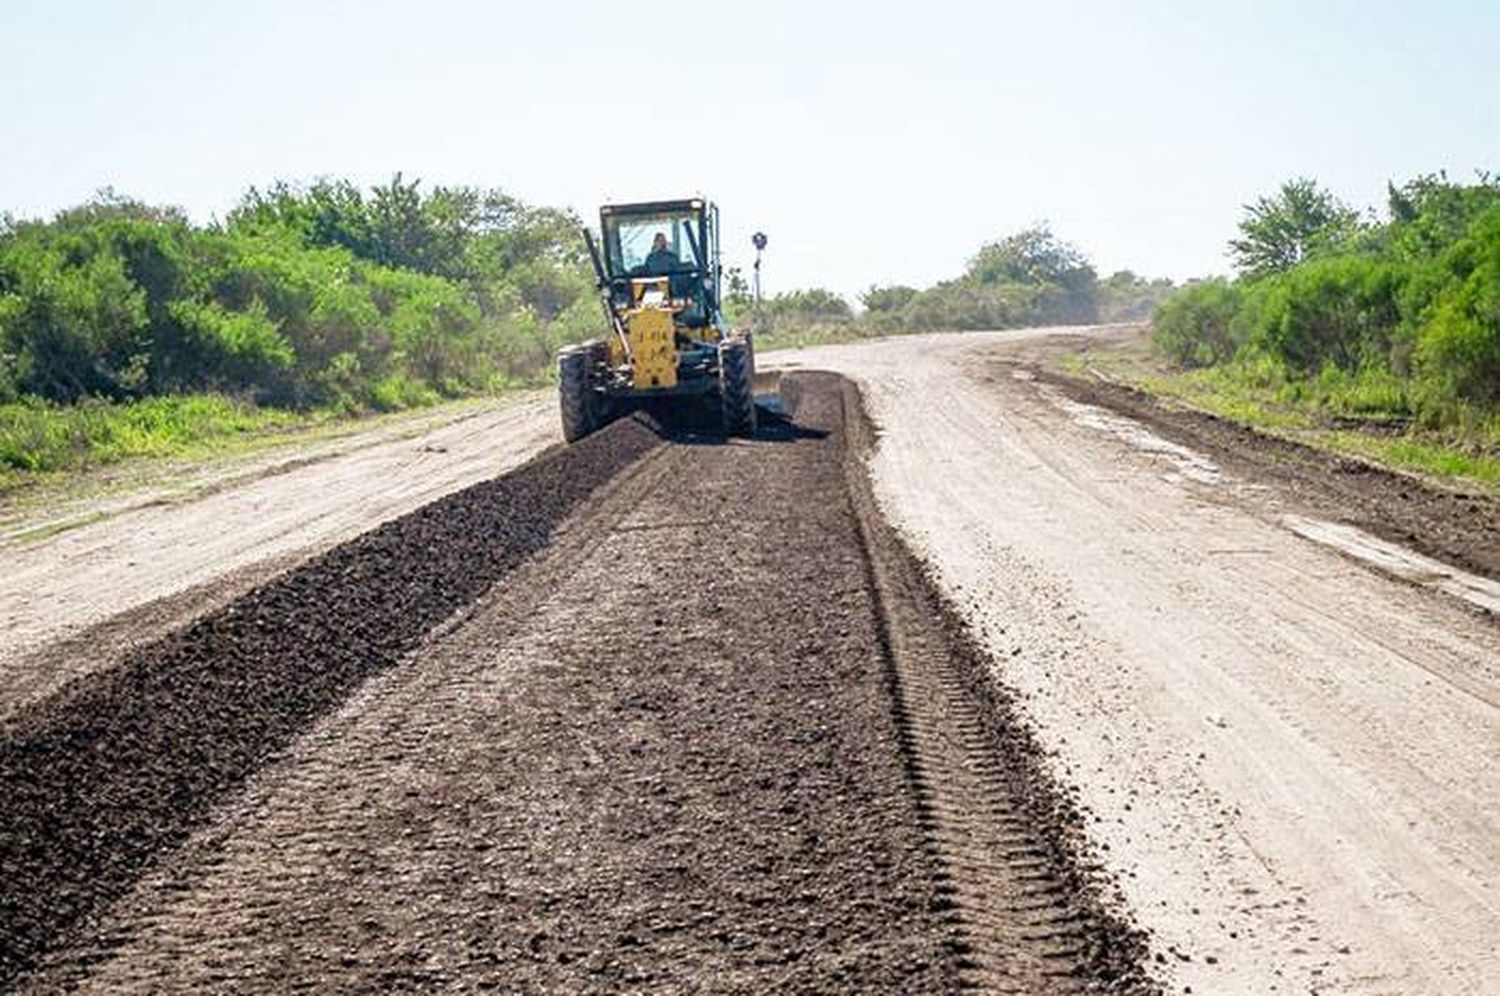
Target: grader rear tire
737	388
577	399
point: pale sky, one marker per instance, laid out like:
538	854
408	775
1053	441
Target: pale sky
873	142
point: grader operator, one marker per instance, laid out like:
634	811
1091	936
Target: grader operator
659	275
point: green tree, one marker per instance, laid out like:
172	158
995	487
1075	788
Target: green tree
886	299
1065	283
1430	213
1281	230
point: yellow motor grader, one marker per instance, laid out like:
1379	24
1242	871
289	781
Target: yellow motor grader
658	271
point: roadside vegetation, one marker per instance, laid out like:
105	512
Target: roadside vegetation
1028	278
1382	328
127	329
38	435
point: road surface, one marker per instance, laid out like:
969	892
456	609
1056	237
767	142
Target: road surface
1293	760
141	564
661	712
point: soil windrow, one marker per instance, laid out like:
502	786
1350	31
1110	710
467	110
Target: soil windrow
718	732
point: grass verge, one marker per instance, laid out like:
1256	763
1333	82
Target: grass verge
803	336
39	440
56	452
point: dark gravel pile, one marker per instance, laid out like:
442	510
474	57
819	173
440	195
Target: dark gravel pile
101	777
721	734
661	757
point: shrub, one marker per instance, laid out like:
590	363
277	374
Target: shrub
1126	297
811	306
1199	325
1392	319
72	328
238	351
1339	310
887	299
1457	359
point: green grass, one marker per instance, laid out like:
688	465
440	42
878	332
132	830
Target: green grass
1435	458
135	447
1309	415
1226	395
39	437
43	443
800	336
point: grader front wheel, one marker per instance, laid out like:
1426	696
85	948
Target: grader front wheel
577	398
737	388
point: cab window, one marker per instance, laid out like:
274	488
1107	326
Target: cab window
630	239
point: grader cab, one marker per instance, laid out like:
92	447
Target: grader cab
658	272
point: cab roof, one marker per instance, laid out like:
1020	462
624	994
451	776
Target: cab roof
655	207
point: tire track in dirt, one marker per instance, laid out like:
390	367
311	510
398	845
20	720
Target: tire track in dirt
1037	915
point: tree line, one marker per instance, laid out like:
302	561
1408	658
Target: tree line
303	295
1028	278
1394	312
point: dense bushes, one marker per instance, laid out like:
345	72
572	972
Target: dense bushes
1025	279
301	297
1334	311
1126	297
1029	278
815	306
1457	350
1198	326
1405	310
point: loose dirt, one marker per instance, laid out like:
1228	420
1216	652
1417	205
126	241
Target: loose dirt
718	733
129	755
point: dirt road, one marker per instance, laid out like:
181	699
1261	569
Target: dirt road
649	713
1290	757
656	712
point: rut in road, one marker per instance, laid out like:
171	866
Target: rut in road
719	735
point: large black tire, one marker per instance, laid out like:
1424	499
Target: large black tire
737	387
576	397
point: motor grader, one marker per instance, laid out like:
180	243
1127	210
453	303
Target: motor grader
658	273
